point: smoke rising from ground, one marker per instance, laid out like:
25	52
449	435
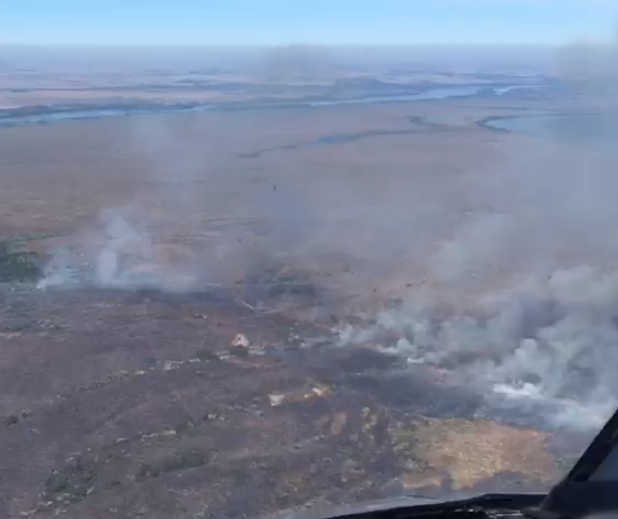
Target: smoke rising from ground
509	272
516	295
521	298
304	64
188	226
549	337
132	245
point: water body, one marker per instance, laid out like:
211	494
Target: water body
51	115
93	113
329	140
594	129
421	127
432	94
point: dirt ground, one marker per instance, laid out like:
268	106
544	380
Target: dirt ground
120	403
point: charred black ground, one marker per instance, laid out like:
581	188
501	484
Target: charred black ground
138	402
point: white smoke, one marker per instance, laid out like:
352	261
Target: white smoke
133	245
546	338
118	253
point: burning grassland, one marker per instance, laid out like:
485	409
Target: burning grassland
339	333
378	345
548	338
137	396
188	403
537	343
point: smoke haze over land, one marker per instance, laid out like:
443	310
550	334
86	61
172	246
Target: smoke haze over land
504	275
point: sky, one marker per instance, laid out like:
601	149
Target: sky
331	22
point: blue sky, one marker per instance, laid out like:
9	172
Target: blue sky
399	22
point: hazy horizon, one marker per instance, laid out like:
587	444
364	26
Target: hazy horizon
137	57
328	22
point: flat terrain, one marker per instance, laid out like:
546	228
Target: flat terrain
127	405
102	76
124	402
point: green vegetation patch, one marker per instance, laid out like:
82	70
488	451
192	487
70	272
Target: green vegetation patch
187	459
17	265
70	484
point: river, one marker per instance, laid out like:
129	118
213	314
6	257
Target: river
46	115
597	129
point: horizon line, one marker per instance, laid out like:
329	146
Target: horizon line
294	44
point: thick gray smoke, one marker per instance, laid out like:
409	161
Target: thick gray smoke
521	298
588	61
304	64
551	337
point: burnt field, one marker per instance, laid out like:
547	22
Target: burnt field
239	315
130	403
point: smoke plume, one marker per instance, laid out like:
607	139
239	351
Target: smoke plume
520	298
298	64
140	244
